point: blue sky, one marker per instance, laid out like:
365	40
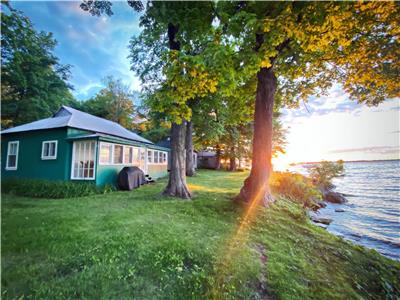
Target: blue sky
331	127
95	46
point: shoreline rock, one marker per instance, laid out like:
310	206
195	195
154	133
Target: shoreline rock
321	220
334	197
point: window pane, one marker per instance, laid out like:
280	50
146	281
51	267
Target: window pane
135	155
149	156
52	151
105	153
155	156
128	155
160	157
46	149
12	159
13	149
118	154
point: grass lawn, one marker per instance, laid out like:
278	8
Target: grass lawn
141	245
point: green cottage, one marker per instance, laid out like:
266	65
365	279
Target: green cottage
73	145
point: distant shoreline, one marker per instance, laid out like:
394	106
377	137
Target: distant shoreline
346	161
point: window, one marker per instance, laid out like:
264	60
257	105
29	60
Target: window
105	153
12	155
156	157
118	154
150	156
164	157
128	155
83	160
49	150
160	157
136	156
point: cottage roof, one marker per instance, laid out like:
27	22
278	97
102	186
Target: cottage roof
70	117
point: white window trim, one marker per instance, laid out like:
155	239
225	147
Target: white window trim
123	153
16	156
94	161
159	162
124	149
111	154
134	149
55	150
151	156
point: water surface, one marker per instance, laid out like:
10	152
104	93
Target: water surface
372	213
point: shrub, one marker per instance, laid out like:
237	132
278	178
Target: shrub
296	187
323	172
40	188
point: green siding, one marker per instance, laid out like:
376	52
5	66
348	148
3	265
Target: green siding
30	163
107	174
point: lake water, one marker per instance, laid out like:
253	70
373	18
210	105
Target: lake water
372	213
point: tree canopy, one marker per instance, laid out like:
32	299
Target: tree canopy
113	102
33	82
311	45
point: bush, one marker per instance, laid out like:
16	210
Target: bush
296	187
323	172
40	188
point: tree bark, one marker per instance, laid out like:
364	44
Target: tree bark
190	167
232	160
217	157
177	176
177	186
256	187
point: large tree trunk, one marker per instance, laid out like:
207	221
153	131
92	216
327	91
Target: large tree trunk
232	160
190	167
256	187
177	176
217	157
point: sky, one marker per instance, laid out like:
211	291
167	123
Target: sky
330	128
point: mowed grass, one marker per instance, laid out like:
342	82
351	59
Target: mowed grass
141	245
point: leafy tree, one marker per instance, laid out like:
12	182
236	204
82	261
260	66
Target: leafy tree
298	49
152	125
323	173
112	102
33	82
170	75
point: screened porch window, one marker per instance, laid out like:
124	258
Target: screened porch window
105	153
128	155
83	157
118	154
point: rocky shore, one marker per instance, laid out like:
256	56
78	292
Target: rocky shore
328	195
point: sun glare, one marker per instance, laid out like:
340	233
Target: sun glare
280	163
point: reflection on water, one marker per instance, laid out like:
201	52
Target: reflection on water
372	213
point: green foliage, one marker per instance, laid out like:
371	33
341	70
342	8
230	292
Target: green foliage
112	102
140	245
323	172
33	82
311	45
295	187
38	188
